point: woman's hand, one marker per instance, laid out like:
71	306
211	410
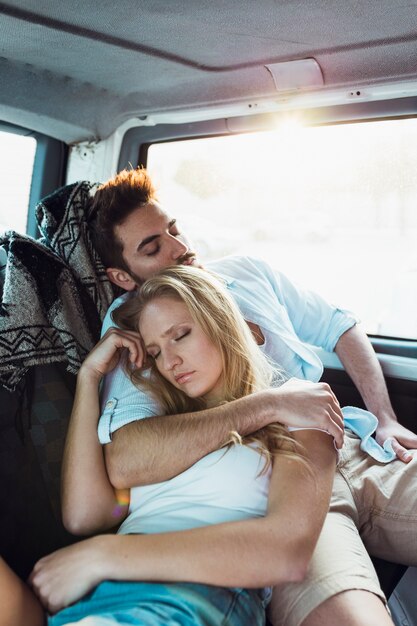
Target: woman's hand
65	576
303	404
104	357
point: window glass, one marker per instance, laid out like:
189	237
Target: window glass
17	154
333	207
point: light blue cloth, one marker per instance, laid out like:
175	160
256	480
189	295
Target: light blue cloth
290	318
364	424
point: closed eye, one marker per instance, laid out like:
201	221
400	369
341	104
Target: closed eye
173	231
184	334
153	252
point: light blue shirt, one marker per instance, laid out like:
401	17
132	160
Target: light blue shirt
291	320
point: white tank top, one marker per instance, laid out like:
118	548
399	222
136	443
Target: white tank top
223	486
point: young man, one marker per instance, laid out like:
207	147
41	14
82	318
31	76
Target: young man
135	239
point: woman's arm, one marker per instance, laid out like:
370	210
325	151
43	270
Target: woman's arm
250	553
88	500
90	504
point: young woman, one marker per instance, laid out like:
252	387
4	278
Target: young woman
218	535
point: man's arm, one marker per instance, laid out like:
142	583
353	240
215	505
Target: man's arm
317	322
251	553
155	449
359	360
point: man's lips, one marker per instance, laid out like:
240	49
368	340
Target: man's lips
184	377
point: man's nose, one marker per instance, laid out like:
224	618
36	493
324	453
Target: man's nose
179	248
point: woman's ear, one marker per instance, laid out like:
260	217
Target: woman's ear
121	278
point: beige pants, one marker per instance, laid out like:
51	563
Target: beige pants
373	509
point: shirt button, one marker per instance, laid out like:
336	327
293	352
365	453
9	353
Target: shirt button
109	404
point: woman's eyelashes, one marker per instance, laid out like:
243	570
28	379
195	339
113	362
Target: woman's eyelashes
183	334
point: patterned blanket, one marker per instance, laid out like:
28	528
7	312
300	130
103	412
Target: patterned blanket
56	291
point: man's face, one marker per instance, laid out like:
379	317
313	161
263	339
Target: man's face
151	241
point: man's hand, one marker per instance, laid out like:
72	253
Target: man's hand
65	576
359	360
401	437
104	357
156	449
304	404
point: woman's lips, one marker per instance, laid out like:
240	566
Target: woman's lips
183	378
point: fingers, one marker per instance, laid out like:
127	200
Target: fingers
105	355
134	350
314	405
401	452
34	582
40	582
331	422
131	341
335	423
336	428
332	398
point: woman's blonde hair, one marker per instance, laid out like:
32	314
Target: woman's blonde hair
245	368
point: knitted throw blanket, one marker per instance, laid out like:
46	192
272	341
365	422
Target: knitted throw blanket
56	291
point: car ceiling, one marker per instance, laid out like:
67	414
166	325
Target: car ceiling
78	69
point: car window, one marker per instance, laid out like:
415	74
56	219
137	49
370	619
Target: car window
331	206
17	153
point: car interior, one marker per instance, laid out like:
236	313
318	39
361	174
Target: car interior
93	88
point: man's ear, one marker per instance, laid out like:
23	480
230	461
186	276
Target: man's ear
121	278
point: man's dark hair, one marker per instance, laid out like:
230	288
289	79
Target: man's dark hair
113	202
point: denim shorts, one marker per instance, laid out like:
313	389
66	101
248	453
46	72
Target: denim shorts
165	604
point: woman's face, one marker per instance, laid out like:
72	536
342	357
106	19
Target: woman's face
183	354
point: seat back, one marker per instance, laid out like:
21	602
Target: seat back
33	423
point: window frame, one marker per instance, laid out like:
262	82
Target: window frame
48	172
137	140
